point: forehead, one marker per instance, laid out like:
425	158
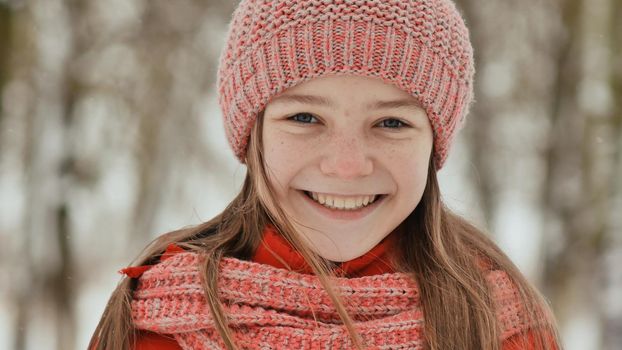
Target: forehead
329	91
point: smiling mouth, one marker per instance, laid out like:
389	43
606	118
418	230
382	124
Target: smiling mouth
343	202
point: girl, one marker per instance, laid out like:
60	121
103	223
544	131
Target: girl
343	112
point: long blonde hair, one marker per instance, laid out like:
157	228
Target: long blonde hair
440	250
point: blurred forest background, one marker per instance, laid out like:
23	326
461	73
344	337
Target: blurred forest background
110	134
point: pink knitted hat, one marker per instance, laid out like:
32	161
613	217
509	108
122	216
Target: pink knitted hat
421	46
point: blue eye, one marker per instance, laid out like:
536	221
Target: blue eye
392	123
304	118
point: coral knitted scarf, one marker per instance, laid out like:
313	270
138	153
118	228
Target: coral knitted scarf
271	307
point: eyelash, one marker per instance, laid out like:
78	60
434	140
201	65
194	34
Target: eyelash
293	118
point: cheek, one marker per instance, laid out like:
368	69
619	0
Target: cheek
281	160
410	169
412	175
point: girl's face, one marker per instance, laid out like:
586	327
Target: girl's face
345	141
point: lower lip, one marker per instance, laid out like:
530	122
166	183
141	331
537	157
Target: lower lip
343	214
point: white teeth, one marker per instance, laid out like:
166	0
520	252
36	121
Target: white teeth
338	203
343	203
322	198
350	203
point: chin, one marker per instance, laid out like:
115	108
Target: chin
341	254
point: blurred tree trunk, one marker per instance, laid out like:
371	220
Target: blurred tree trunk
47	230
561	151
612	317
580	176
513	53
480	116
178	73
18	48
5	39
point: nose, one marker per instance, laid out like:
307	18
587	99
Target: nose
346	157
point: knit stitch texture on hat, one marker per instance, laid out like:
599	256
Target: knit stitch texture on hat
273	308
421	46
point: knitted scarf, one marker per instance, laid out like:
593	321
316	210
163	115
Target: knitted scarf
273	308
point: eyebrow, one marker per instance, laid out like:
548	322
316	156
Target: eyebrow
323	101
